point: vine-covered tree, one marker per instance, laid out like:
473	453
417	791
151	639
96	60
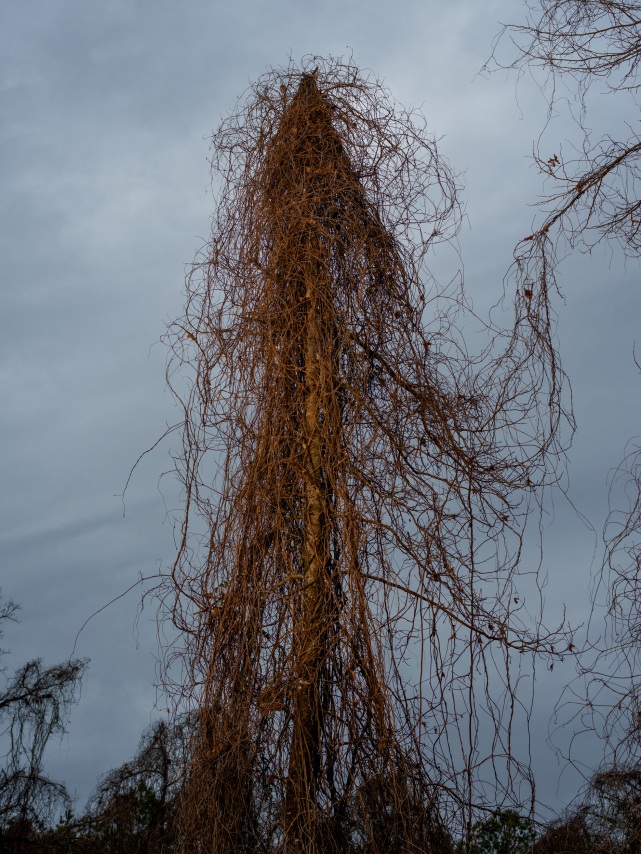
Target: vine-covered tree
356	485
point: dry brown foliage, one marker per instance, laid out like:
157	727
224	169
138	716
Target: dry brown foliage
607	820
356	488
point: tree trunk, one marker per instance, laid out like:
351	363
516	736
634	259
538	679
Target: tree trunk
311	630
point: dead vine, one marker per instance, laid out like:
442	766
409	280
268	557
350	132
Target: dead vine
356	488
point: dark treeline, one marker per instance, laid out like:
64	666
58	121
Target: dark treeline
134	809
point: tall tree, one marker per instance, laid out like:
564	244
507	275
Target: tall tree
356	488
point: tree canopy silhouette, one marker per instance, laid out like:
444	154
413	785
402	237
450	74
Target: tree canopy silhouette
34	706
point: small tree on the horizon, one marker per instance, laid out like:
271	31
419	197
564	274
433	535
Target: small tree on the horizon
34	706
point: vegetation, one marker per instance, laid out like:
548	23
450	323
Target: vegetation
593	198
504	832
357	486
135	810
356	483
34	703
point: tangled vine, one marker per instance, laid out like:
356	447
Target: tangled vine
356	488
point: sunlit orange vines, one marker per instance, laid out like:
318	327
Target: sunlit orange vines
356	487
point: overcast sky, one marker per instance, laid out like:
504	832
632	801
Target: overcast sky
107	108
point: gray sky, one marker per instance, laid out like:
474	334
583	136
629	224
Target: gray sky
106	112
